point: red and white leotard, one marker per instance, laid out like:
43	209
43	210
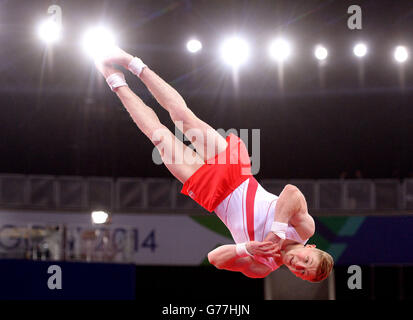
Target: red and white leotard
248	213
228	188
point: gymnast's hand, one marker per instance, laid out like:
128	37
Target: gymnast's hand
265	249
276	240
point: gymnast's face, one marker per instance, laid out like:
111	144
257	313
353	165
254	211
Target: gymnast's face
302	261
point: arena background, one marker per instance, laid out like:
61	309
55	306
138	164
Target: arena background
341	133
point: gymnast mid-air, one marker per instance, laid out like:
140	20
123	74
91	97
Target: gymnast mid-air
269	230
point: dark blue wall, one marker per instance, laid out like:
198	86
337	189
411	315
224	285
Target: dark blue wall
24	279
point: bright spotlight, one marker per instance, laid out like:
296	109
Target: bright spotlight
360	50
194	46
401	54
49	31
280	50
235	51
320	53
98	42
100	217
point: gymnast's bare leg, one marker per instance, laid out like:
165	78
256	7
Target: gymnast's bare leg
207	141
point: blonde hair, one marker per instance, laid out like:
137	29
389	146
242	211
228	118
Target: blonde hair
324	267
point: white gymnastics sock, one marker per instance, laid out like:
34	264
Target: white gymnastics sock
116	80
136	66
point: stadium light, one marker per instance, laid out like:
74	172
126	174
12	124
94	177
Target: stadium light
360	50
100	217
401	54
49	31
280	50
320	52
235	51
194	45
98	42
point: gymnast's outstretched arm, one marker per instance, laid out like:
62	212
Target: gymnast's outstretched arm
230	257
291	208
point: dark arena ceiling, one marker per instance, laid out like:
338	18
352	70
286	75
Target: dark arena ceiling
59	117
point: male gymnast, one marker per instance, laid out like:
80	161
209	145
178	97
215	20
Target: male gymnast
268	230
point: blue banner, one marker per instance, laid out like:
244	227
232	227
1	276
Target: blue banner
366	240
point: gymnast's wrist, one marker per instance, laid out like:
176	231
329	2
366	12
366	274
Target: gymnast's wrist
241	249
279	228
